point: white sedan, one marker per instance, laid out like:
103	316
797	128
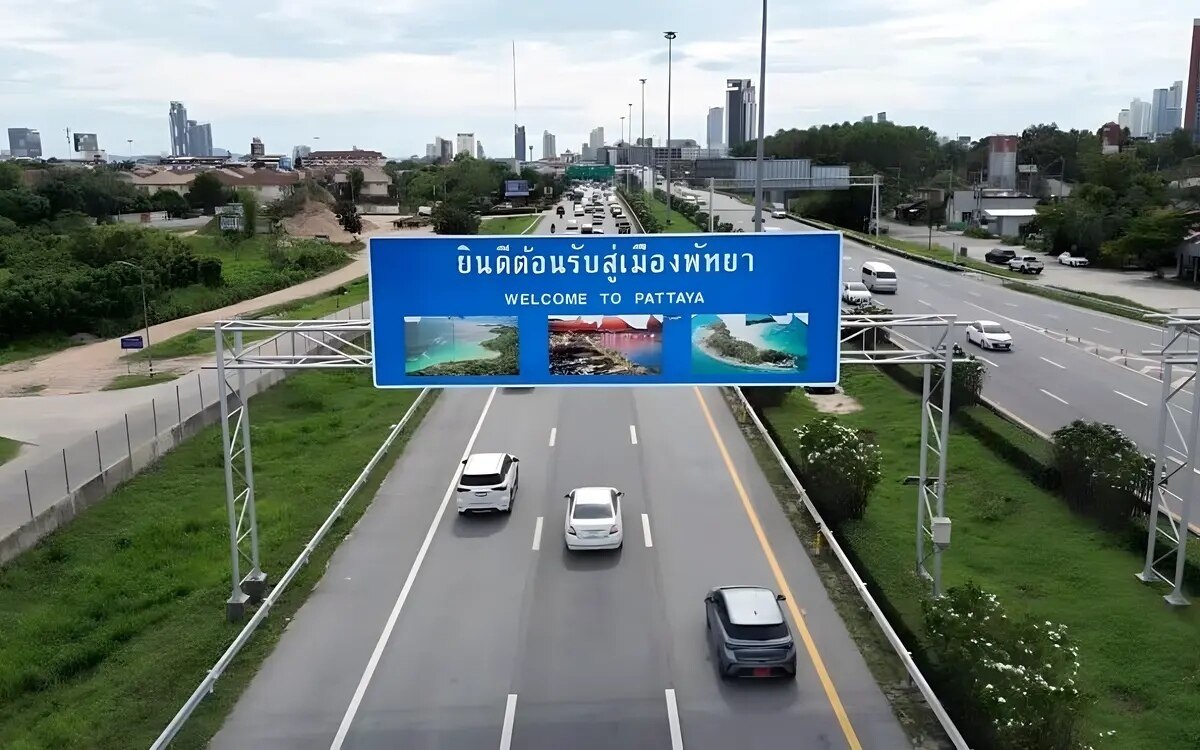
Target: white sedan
988	334
855	293
594	518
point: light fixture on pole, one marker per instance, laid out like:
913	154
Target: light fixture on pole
145	311
642	140
762	106
670	35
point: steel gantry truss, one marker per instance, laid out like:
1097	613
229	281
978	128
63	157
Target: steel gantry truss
328	344
1175	455
309	344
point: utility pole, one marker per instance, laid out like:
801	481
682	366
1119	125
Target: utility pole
762	106
670	35
643	138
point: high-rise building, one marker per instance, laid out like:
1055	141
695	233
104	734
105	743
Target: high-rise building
1191	104
519	143
465	145
1139	118
740	109
479	150
716	127
549	147
881	117
431	151
199	139
179	129
1002	162
1158	112
24	143
257	148
300	152
1123	119
445	149
596	138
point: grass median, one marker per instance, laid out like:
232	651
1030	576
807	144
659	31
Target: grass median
8	449
508	224
1111	304
678	223
1024	545
317	306
110	624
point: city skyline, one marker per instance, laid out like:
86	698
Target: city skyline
65	72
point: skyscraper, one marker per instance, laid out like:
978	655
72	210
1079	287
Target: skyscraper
549	147
1123	119
739	112
179	129
479	150
1158	112
1191	109
1139	118
519	143
445	149
716	127
199	139
466	144
24	143
596	138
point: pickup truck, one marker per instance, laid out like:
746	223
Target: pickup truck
1072	260
1026	264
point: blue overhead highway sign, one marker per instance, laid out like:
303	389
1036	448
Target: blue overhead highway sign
704	309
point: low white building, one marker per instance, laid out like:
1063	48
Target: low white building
1007	222
969	206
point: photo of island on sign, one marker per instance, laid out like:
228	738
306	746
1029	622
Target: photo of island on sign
748	343
605	344
466	346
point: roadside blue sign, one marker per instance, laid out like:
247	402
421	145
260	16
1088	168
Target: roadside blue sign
664	309
132	342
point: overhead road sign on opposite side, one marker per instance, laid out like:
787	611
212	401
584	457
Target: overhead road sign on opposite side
663	309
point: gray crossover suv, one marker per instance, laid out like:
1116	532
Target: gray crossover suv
748	633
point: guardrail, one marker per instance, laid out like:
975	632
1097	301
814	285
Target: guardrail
914	672
208	684
1083	300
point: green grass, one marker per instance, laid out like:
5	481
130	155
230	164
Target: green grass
508	224
34	347
8	449
678	222
1105	303
1024	545
194	343
139	379
111	623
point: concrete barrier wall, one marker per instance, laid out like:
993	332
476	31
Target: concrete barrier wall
58	483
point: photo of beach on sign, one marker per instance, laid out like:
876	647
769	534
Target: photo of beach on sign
749	343
461	346
605	344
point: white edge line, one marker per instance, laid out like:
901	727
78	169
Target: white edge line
1101	330
537	534
923	302
510	715
1050	361
553	435
381	644
673	720
985	359
633	434
646	530
1131	398
1051	395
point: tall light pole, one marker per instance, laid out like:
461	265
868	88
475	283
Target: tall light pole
643	138
762	107
145	311
670	35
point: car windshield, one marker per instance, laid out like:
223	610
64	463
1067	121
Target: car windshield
993	328
592	511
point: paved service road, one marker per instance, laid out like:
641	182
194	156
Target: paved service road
430	630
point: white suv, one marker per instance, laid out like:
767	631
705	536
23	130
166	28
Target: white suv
488	482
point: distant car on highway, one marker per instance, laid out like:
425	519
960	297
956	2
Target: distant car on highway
1067	259
488	481
1026	264
572	225
1000	255
594	519
855	293
748	634
779	213
988	334
586	228
597	229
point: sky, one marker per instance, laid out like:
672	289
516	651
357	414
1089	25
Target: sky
390	75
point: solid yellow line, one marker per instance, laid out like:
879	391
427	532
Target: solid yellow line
819	663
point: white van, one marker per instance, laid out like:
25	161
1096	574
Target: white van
879	277
488	482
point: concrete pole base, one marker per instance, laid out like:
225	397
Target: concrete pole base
255	586
235	606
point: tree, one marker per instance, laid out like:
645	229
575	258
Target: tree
249	202
347	216
1150	240
838	467
455	218
354	179
170	201
23	206
206	192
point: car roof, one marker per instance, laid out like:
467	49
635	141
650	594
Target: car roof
987	323
751	605
484	463
597	495
877	265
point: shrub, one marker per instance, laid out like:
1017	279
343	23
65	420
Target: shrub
766	396
1010	682
978	233
1102	472
966	383
838	467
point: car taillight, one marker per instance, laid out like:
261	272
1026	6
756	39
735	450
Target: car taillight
613	530
571	530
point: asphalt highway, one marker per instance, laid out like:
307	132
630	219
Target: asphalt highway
430	630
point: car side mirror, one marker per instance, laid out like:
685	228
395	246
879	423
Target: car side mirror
781	598
709	598
464	462
516	460
567	496
620	494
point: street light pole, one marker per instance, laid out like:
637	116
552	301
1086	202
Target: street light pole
145	310
670	35
762	106
643	138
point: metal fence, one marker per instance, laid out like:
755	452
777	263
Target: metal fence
40	491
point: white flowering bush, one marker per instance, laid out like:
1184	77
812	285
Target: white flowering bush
1011	681
1102	472
838	467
